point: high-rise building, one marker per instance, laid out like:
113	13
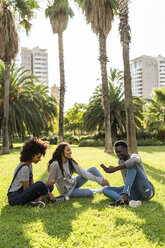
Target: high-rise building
144	74
26	58
37	61
161	71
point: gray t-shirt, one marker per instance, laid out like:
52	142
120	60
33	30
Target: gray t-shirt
66	183
23	175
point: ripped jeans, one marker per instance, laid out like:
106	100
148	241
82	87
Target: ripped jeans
137	187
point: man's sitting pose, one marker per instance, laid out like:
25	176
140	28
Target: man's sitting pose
136	187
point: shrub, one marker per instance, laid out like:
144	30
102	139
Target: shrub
91	142
100	135
69	138
53	140
85	137
149	142
144	134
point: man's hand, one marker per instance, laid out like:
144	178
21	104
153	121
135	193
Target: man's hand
110	169
124	197
50	183
105	182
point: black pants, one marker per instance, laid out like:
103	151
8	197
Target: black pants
22	197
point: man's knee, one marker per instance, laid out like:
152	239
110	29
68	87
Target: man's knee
133	168
92	169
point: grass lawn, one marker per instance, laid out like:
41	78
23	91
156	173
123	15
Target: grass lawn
86	222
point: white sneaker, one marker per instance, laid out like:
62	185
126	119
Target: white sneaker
37	204
95	191
135	204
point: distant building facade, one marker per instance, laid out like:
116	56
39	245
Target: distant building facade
161	71
147	73
36	60
55	92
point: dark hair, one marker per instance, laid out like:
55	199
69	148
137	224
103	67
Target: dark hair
33	147
121	143
57	156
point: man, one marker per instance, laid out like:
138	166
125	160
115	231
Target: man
136	187
22	189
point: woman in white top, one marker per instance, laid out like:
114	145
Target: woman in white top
61	167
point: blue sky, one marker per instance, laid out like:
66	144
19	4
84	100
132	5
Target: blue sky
82	68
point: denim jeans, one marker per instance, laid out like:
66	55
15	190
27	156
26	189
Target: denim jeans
22	197
137	186
77	192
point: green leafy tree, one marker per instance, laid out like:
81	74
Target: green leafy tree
74	118
59	13
31	108
125	38
100	15
155	113
9	12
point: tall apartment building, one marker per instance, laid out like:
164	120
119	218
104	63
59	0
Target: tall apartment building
161	71
37	61
145	74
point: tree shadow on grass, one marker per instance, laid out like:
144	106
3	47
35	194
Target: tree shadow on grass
56	221
154	222
17	223
155	173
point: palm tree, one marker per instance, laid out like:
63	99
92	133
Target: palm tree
155	113
160	95
125	38
100	14
94	114
9	48
59	14
31	108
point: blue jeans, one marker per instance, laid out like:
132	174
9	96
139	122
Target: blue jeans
81	181
22	197
137	186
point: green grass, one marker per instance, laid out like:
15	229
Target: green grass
85	222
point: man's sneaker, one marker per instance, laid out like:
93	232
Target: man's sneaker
37	204
61	198
118	203
135	204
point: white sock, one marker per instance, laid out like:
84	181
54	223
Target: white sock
95	191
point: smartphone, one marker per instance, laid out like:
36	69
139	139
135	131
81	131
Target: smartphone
103	166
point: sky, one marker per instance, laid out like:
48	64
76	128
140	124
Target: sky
81	46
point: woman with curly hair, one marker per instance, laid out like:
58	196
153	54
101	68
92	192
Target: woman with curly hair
61	167
22	189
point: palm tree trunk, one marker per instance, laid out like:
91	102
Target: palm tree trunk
62	87
5	130
130	124
125	40
106	99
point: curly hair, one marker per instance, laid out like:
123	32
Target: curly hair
57	156
33	147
